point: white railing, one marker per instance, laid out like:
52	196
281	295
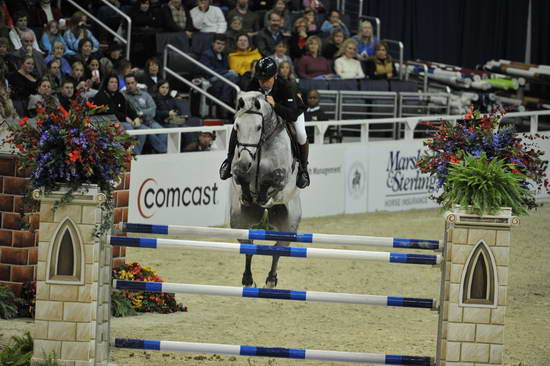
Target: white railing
410	123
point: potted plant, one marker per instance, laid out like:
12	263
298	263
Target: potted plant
482	165
67	151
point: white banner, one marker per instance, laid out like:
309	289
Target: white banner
356	179
177	189
394	181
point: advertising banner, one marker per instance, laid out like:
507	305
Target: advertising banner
178	189
355	179
394	182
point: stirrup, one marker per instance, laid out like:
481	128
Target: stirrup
225	170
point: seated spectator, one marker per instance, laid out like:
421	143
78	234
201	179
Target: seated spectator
334	22
7	59
280	54
77	72
143	18
242	57
58	52
50	35
54	74
78	30
216	60
347	66
150	75
170	111
208	18
249	19
284	71
146	109
93	74
84	52
331	47
66	93
313	26
267	38
298	39
380	66
113	55
234	31
312	65
175	18
203	142
314	111
43	99
279	7
124	68
365	40
7	109
20	29
28	50
108	95
43	13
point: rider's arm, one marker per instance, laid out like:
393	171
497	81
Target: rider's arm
286	104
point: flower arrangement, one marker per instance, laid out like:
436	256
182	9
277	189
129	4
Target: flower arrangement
480	136
66	148
144	301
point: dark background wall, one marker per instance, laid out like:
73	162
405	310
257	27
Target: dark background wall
465	32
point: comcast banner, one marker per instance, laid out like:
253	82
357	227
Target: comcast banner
178	189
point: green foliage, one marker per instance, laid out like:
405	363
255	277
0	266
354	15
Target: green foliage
18	352
8	303
121	306
485	186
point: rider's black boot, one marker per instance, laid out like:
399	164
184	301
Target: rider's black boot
302	180
225	169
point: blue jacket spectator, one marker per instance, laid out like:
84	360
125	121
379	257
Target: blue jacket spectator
365	40
79	30
332	23
50	35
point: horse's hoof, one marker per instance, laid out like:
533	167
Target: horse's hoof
248	281
271	282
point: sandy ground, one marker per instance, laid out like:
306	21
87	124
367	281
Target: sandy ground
361	328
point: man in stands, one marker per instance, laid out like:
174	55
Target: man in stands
27	39
286	104
66	93
144	105
269	37
249	19
208	18
175	18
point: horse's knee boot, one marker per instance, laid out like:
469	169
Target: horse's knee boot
225	169
302	180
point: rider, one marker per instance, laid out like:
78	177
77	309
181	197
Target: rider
288	105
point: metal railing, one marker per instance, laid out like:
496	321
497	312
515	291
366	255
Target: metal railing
127	40
424	77
423	104
167	70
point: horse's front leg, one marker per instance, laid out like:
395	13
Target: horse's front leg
247	280
271	280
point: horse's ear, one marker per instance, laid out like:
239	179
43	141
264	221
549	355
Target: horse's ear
241	103
257	104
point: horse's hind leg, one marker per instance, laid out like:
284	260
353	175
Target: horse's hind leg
247	280
271	280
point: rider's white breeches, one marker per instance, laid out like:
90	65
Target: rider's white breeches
300	125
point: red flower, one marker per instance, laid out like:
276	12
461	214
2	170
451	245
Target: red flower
63	111
469	115
40	110
91	105
74	155
23	121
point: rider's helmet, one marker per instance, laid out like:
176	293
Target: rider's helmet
265	68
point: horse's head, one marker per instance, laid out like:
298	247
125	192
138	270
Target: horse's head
251	121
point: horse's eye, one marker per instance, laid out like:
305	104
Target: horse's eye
258	128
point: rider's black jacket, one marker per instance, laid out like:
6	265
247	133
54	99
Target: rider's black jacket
288	105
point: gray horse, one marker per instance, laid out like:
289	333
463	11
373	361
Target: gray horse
264	175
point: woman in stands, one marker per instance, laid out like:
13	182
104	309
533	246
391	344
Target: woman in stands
77	73
365	40
241	59
23	83
58	51
347	66
331	47
54	74
43	99
169	109
312	65
93	74
150	75
85	51
381	65
50	36
79	30
297	42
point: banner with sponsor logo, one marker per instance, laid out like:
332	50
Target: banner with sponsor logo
355	179
394	181
176	189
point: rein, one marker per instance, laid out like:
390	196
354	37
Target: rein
263	138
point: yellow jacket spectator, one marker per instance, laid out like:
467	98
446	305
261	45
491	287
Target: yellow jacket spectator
241	59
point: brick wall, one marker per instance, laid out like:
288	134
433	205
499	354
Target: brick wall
18	235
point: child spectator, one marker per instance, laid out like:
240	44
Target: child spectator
280	54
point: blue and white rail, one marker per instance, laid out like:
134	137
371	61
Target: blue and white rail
241	234
264	293
292	353
282	251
